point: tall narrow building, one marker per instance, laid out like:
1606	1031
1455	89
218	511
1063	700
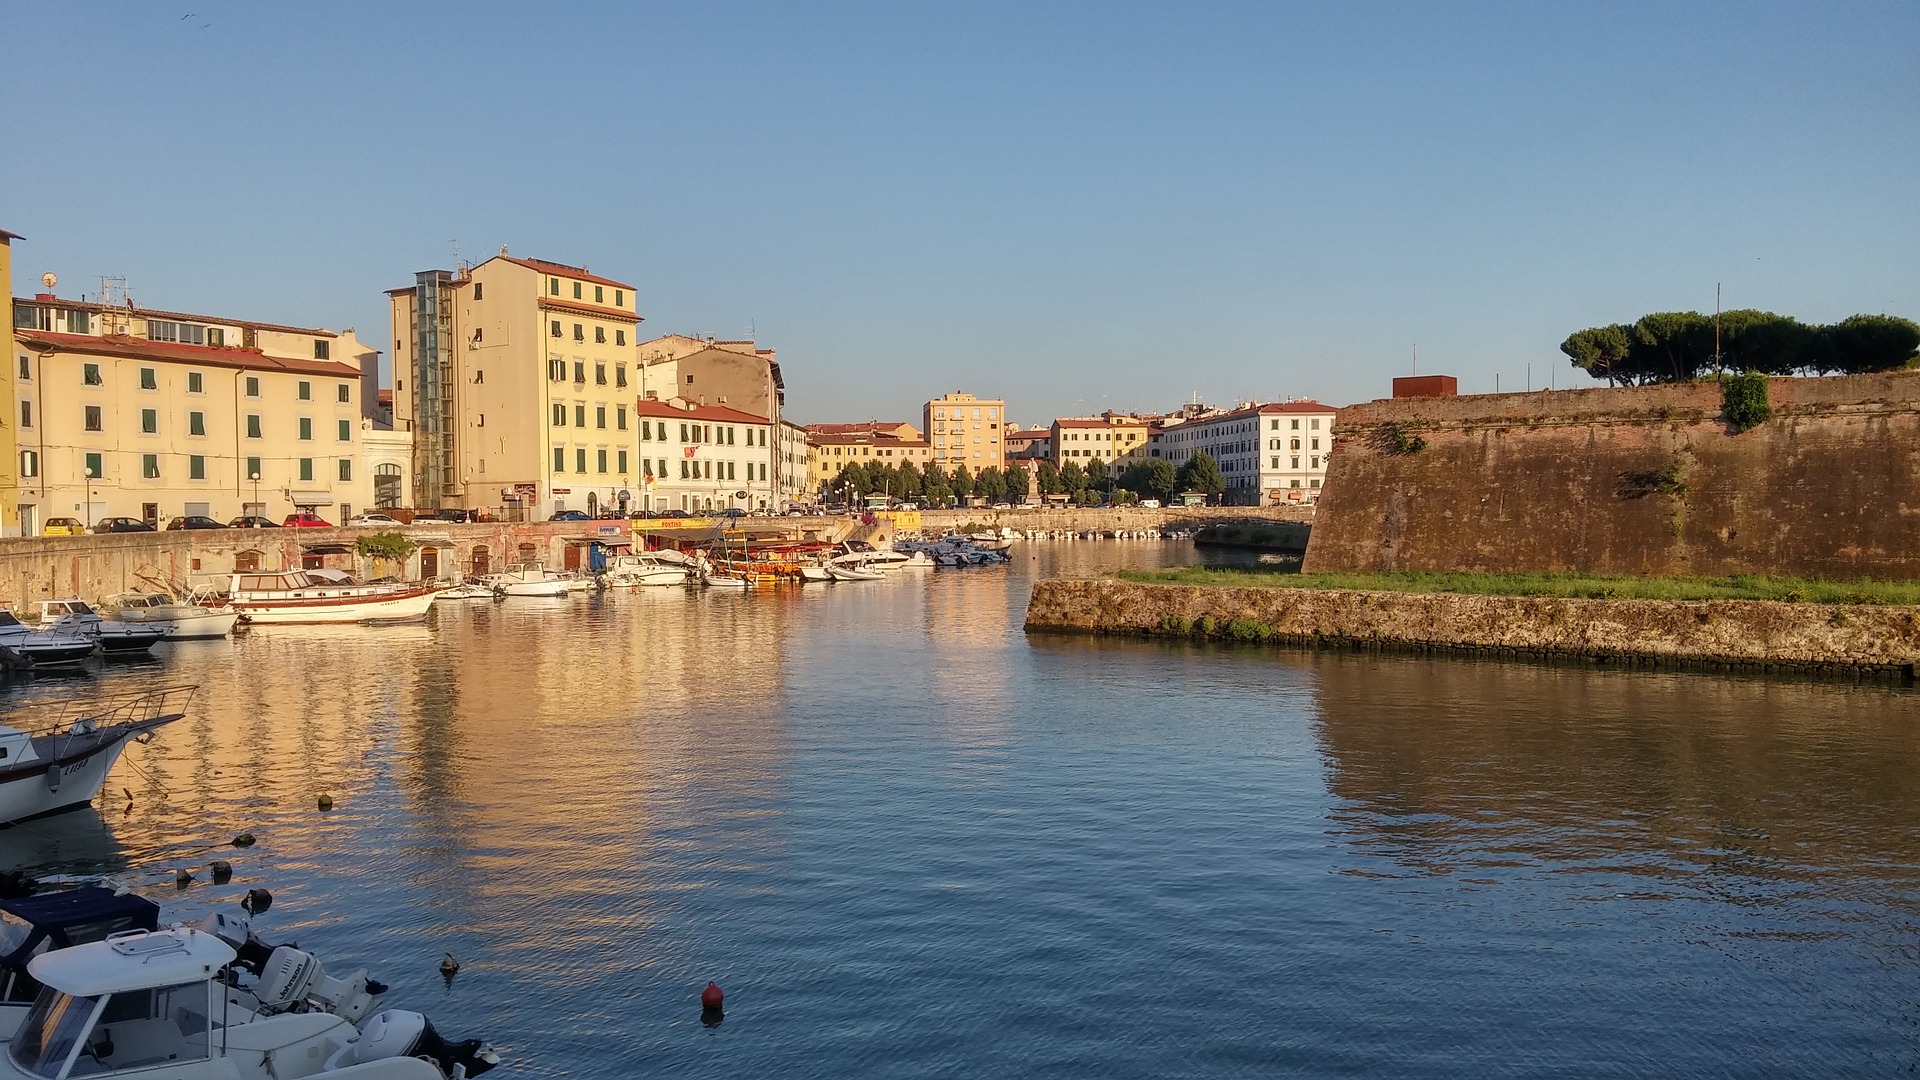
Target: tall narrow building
517	378
967	430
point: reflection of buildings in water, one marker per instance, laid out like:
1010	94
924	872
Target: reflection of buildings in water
1450	766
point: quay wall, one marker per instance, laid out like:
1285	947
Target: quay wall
1126	518
1644	480
1845	640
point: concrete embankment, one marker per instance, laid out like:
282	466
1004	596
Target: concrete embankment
1839	640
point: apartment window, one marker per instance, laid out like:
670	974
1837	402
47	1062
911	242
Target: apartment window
477	294
29	463
150	466
306	469
1296	463
576	290
683	433
622	457
553	288
557	369
346	431
1296	425
306	429
599	373
619	337
662	436
253	386
149	379
1276	461
553	328
346	469
1316	462
579	459
579	415
683	470
620	417
344	392
196	467
93	418
620	372
579	332
1314	423
26	369
93	464
600	460
196	423
320	349
185	333
579	371
253	468
90	374
26	414
78	322
1316	444
600	416
196	383
559	415
304	391
600	337
253	425
559	459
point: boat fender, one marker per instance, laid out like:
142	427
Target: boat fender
53	778
182	878
326	802
245	839
256	901
222	871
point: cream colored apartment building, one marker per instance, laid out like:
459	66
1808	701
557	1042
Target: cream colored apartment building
518	380
1107	438
832	447
966	430
9	450
703	458
1271	453
122	411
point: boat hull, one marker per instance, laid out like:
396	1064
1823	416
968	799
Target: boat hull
558	587
69	773
410	604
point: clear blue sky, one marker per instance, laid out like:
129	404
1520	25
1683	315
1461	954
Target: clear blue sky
1073	206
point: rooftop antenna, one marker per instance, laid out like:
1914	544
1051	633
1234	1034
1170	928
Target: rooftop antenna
1716	328
1416	358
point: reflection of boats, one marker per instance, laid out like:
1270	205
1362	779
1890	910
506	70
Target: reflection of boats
65	763
43	648
149	1003
294	596
73	616
529	579
182	621
76	841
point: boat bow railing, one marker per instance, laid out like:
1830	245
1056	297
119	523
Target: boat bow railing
54	715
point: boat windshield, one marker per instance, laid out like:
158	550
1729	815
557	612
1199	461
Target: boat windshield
79	607
7	619
50	1032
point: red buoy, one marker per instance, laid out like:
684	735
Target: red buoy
712	996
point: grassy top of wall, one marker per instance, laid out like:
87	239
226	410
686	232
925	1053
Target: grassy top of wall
1579	586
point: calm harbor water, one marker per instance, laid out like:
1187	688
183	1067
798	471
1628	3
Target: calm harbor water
911	841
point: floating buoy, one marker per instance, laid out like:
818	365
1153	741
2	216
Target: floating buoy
245	839
326	802
712	996
256	901
449	966
182	879
222	871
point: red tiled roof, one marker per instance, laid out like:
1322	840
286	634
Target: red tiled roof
5	235
717	413
384	397
860	438
871	426
144	313
1076	422
133	348
561	270
1297	406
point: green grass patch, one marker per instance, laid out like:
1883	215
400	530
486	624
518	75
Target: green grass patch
1587	586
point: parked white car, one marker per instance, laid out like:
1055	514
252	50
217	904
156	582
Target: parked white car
371	519
1150	504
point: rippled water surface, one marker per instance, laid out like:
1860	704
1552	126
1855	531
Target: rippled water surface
909	840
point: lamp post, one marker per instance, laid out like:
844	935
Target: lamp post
89	471
255	477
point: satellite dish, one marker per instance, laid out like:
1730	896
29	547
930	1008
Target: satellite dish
49	279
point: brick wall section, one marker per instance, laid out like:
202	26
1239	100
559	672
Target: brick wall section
1568	481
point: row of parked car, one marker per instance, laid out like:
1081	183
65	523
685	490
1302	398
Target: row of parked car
66	526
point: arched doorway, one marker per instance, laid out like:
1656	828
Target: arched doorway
386	486
429	563
482	561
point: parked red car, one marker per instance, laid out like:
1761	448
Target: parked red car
306	520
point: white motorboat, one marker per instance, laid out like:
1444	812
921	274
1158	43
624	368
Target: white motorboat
722	579
183	621
854	573
293	596
634	571
529	579
160	1005
862	555
466	590
62	761
44	648
74	616
815	573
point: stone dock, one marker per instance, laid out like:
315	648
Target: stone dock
1848	641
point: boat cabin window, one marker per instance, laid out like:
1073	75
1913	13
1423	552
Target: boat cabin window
7	619
51	1032
140	1028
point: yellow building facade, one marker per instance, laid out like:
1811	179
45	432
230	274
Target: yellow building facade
1107	438
9	448
967	430
121	411
517	379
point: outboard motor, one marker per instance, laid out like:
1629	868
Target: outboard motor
289	980
396	1033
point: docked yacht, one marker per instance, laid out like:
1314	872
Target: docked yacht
182	621
74	616
860	555
466	590
293	596
44	648
61	760
529	579
645	568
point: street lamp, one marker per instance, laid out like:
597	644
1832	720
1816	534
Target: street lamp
89	471
255	477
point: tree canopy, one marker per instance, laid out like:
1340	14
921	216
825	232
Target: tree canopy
1200	473
1674	346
